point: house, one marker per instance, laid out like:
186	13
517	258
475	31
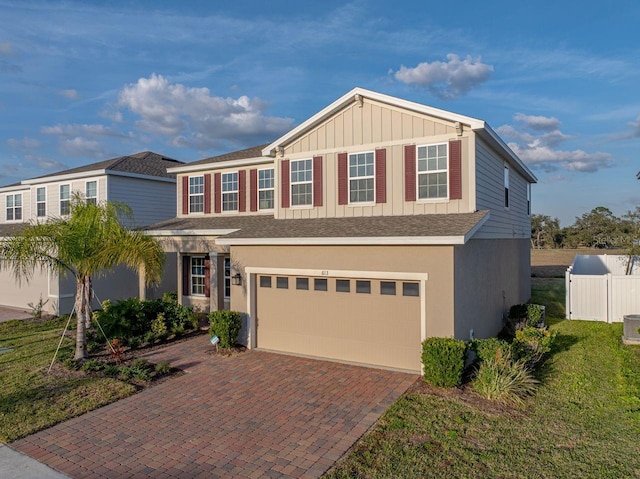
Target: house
140	180
374	224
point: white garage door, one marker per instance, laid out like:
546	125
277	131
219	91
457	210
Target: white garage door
368	321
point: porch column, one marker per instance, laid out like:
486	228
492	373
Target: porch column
213	281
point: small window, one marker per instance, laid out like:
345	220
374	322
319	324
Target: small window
363	287
302	283
388	288
65	199
506	186
301	183
230	191
529	199
196	194
41	201
282	282
91	192
320	284
265	281
432	172
14	207
265	189
361	178
343	285
198	275
410	289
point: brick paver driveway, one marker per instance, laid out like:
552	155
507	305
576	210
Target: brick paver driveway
256	414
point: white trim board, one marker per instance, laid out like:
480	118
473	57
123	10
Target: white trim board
218	165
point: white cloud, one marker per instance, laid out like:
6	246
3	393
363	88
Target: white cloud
45	163
632	132
536	140
81	147
6	48
70	94
192	117
27	143
74	130
449	79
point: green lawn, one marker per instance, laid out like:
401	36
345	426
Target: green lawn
584	420
30	399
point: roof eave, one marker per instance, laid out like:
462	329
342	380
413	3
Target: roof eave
220	164
487	133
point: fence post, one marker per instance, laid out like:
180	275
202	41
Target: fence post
567	293
609	298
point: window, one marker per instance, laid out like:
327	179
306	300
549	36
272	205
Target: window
432	172
91	192
65	199
361	178
529	199
301	183
320	284
227	277
302	283
506	186
265	189
282	282
265	281
230	191
388	288
197	275
363	287
410	289
343	285
14	207
196	194
41	201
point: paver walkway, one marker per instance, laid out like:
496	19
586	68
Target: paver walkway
256	414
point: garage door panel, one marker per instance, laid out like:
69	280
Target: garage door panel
367	328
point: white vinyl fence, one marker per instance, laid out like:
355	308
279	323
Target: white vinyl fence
599	290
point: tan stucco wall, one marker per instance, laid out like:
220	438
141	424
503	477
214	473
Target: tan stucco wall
437	261
19	293
490	277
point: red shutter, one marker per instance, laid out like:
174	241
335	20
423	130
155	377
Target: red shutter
285	192
317	181
207	277
381	176
253	190
343	179
242	190
185	195
217	204
410	172
207	193
186	275
455	170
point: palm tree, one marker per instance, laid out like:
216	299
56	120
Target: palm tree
89	242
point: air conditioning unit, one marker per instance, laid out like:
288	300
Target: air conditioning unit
631	329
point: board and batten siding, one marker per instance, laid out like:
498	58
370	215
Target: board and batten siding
151	201
511	222
373	126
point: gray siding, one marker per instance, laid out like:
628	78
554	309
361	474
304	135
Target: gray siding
512	222
151	201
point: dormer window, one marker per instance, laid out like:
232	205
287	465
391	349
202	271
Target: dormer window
14	207
196	194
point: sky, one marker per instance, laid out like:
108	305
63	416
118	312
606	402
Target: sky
559	81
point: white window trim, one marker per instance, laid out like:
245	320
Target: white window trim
6	207
418	173
191	275
528	199
41	202
189	195
236	191
85	189
291	183
60	198
273	188
361	203
506	197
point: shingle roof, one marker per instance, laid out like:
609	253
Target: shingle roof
144	163
10	229
260	226
253	152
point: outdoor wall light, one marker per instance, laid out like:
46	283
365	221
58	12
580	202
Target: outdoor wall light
236	279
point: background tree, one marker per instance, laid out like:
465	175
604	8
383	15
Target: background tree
545	232
90	242
631	236
599	228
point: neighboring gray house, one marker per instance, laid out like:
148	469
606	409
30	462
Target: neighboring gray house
140	180
374	224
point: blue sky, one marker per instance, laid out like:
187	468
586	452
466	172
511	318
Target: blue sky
84	81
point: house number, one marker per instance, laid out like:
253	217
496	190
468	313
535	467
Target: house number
325	273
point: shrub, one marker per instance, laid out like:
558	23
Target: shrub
70	364
163	368
116	350
532	344
523	315
490	348
443	360
92	365
111	370
159	327
500	378
139	369
226	325
149	337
